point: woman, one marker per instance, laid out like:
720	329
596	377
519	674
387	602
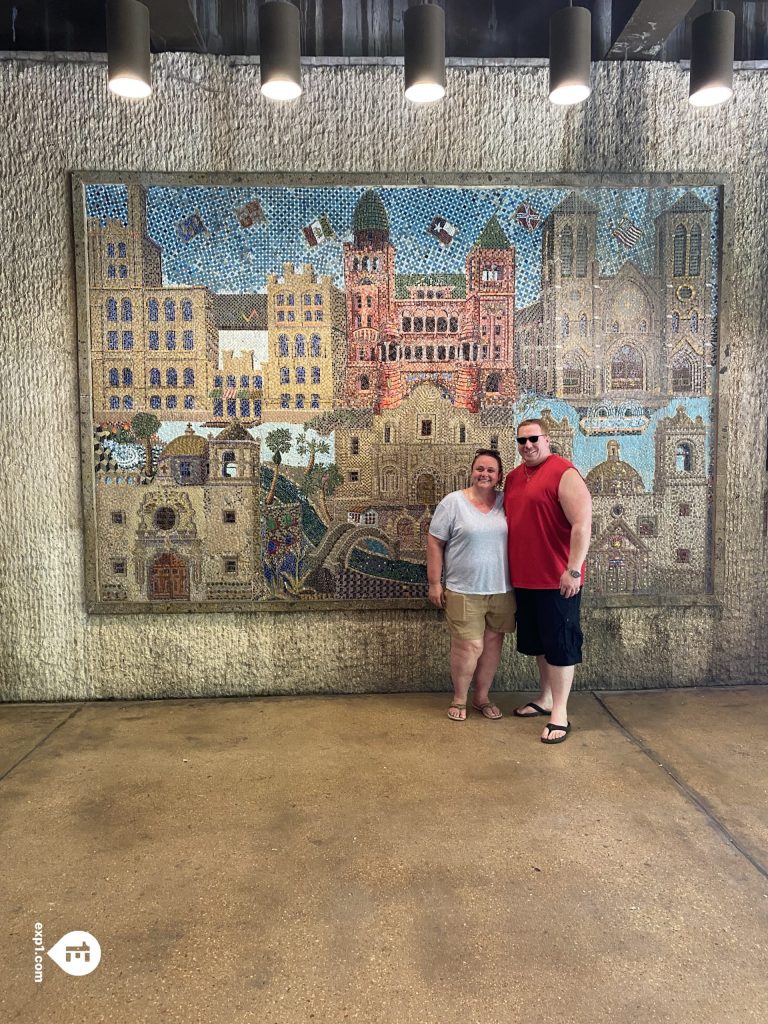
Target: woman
468	539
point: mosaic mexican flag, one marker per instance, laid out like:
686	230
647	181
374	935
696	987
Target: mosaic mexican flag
284	381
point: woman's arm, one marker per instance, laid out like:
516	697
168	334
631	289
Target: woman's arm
435	549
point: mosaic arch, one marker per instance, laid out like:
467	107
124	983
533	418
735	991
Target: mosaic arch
283	381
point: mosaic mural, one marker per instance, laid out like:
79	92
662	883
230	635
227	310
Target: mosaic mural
285	381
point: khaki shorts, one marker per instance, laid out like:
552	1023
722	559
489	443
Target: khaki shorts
468	615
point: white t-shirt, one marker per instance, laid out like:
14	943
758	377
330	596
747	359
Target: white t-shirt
476	545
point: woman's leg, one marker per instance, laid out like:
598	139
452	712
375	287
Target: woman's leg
486	667
464	658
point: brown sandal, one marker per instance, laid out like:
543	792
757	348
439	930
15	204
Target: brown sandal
483	709
461	707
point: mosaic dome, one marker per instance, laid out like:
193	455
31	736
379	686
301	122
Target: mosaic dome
370	214
613	476
188	443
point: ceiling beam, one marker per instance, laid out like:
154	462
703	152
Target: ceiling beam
174	26
651	23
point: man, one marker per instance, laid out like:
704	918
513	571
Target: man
549	516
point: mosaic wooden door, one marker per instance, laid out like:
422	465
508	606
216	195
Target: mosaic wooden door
425	490
169	579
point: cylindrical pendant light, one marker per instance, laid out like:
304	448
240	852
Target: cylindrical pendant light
570	49
280	37
424	32
712	49
128	48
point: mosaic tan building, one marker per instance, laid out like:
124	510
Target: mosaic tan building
191	534
153	347
644	540
305	324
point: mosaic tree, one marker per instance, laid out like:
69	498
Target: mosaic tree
320	483
279	443
144	426
312	447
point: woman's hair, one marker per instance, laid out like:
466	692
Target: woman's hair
489	453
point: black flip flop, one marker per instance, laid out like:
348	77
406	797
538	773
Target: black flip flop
530	704
556	728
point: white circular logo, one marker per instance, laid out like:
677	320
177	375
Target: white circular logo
76	953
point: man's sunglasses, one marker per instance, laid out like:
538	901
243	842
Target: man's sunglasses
533	438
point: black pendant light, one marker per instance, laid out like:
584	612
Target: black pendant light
424	37
128	49
280	36
570	50
712	49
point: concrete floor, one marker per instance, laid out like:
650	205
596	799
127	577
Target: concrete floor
339	859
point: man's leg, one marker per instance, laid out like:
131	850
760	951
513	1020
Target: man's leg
556	682
487	664
464	658
544	697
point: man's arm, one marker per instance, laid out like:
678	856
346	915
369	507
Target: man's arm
435	549
576	503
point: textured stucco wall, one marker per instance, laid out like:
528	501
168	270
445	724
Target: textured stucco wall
206	114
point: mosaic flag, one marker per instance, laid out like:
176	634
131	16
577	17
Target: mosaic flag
250	214
627	233
191	226
318	231
442	230
527	217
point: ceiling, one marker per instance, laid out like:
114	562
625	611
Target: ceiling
621	29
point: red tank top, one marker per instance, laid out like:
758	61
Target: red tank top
539	533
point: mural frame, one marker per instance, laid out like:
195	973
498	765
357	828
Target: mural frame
80	179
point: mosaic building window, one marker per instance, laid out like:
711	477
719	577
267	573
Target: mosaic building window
679	243
694	254
581	252
684	458
164	518
627	369
566	252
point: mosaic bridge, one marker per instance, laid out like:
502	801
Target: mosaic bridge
284	381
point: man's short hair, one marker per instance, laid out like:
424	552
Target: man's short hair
530	423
